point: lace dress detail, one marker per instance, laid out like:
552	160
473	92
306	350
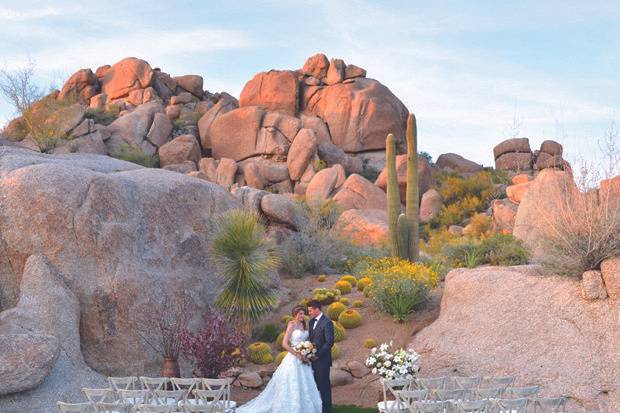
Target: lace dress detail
291	389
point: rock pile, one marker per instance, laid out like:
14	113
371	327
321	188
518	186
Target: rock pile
516	155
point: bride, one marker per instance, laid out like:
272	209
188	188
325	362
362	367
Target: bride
292	388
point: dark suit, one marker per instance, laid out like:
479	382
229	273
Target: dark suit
322	336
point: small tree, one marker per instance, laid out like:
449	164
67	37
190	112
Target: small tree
216	347
244	259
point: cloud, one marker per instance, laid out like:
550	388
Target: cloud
14	15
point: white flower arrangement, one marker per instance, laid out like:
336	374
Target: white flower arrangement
398	364
306	349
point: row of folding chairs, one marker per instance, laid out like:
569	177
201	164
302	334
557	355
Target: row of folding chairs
539	405
481	393
464	383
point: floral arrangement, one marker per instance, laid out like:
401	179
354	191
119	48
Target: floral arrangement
398	364
306	349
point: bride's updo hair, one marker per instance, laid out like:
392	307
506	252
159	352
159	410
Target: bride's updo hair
296	311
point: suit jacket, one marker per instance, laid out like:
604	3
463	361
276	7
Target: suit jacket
322	336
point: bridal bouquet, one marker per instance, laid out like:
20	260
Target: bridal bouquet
398	364
306	349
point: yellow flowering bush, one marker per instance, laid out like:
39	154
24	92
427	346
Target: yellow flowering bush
399	286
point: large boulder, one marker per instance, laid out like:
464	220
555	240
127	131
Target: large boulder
276	90
551	147
316	66
516	192
284	210
325	183
430	205
504	212
125	76
514	145
234	134
120	236
610	270
365	227
192	83
224	105
359	193
457	163
132	129
359	114
302	150
425	177
535	327
541	204
82	85
180	149
515	161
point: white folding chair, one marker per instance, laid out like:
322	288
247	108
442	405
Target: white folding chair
154	383
187	385
551	405
134	397
74	407
521	392
449	395
216	384
431	383
168	397
429	407
489	394
473	406
209	401
499	382
467	383
511	405
116	407
391	388
407	398
123	383
155	408
98	395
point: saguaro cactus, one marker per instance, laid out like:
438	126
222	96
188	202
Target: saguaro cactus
393	193
404	228
413	195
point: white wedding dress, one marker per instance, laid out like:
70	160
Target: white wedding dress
291	389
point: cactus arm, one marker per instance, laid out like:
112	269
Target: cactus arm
393	193
413	196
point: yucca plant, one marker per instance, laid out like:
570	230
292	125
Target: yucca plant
243	258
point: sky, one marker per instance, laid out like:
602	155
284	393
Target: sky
473	72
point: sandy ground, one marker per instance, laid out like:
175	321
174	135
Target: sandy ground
363	392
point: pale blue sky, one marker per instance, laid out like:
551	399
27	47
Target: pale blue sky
466	68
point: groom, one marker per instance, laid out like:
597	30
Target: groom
322	336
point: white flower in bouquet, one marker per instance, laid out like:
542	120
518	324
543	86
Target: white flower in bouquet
305	348
389	364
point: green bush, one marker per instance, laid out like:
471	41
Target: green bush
465	253
259	353
370	343
399	286
319	165
267	332
350	319
334	310
455	213
504	249
244	259
480	226
103	117
326	295
344	286
136	155
339	332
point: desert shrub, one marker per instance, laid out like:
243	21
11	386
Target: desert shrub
350	279
465	253
215	347
280	340
136	155
243	259
362	283
339	332
399	286
504	249
455	213
350	319
358	304
326	295
344	286
436	241
322	278
280	356
453	187
335	352
259	353
345	301
480	226
582	232
268	332
103	117
334	310
370	343
426	155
